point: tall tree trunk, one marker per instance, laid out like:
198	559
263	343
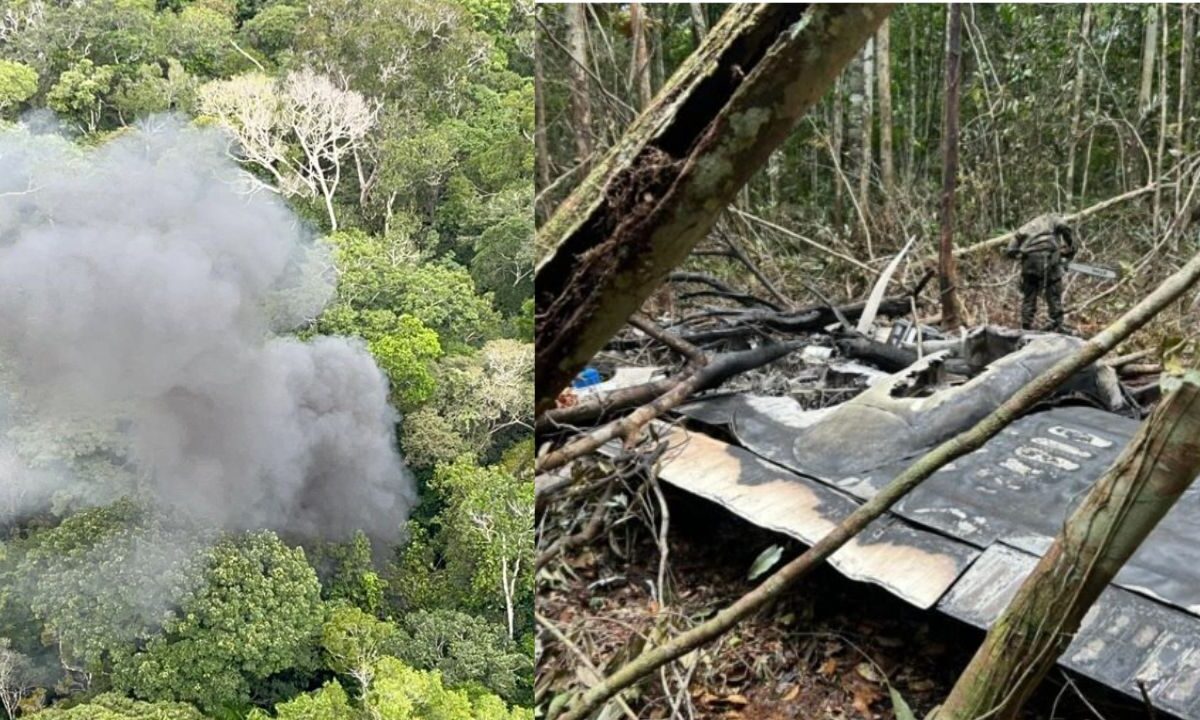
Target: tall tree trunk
1116	516
883	62
1149	47
1162	121
868	118
699	22
1187	18
947	267
540	143
581	99
1077	98
639	65
837	142
664	183
910	134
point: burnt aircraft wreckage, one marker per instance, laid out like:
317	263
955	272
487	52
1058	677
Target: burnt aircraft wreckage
961	542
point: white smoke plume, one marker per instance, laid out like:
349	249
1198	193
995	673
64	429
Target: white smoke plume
142	278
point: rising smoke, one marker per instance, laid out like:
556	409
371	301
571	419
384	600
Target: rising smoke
145	279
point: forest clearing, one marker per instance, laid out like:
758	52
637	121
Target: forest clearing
865	361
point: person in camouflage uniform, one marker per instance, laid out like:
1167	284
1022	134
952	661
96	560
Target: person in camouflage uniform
1044	246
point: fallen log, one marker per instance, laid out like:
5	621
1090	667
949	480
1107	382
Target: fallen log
661	188
1089	352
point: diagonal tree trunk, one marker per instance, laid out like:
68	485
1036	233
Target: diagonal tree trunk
1116	516
660	189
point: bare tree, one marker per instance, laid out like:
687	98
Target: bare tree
14	677
305	111
947	267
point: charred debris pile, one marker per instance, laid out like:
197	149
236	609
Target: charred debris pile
717	339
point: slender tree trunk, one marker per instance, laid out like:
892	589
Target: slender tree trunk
883	61
1162	121
910	134
699	22
868	117
639	65
1077	98
837	142
540	143
947	267
581	99
1149	47
1116	516
1187	18
663	185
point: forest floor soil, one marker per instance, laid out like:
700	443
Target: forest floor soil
829	651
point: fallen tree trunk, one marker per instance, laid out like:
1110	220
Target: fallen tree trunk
660	189
1118	513
1092	350
717	371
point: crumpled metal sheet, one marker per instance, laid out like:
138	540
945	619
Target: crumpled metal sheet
1018	488
1007	500
917	565
1124	638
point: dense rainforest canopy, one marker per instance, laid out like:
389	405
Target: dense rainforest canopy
400	133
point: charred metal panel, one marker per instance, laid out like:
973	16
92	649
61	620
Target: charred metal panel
917	565
1018	488
1123	639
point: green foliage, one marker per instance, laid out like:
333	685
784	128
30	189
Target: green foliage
328	703
103	581
354	642
406	354
466	650
256	612
79	93
18	83
273	31
348	574
402	693
114	707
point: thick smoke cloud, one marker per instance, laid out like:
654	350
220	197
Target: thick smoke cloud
145	278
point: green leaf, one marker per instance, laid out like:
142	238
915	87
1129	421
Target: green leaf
765	561
899	706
